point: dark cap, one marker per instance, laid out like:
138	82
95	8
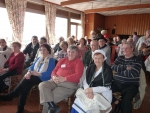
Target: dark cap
102	37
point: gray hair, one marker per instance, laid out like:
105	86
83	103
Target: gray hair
123	40
73	48
129	43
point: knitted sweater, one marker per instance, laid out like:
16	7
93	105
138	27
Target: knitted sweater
123	75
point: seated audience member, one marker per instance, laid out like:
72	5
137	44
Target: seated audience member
42	41
143	44
39	71
71	42
126	78
103	46
118	40
98	81
94	35
75	39
135	38
82	48
57	47
30	51
120	48
135	51
13	65
108	42
87	58
5	52
64	82
114	42
87	40
63	53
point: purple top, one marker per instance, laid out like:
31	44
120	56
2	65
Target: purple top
135	39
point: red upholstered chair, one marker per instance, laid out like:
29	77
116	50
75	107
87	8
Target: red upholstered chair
113	51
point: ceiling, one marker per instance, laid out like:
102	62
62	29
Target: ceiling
105	4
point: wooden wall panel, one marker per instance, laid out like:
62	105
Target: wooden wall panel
99	22
93	21
89	24
127	24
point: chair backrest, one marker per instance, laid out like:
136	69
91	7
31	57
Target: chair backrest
82	78
143	84
113	51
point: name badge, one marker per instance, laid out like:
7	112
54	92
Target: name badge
63	65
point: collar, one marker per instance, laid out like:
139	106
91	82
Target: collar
103	47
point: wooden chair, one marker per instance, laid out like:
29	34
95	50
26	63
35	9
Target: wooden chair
13	81
70	102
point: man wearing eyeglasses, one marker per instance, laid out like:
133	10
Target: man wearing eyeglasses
126	78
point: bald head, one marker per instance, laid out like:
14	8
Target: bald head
94	45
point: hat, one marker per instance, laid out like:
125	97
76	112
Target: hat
102	37
101	52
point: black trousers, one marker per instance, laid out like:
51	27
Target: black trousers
128	92
5	75
22	90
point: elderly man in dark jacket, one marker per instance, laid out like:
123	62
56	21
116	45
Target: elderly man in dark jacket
31	50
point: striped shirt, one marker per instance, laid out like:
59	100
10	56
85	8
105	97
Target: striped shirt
123	75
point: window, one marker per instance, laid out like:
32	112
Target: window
73	30
34	24
5	28
76	28
61	28
76	21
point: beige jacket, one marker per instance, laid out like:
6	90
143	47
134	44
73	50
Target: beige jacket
142	88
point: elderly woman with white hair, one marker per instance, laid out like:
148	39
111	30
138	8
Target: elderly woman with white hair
96	94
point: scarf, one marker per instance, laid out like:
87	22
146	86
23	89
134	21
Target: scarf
41	64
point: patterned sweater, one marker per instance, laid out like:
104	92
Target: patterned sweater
127	76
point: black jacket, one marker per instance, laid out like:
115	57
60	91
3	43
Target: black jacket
31	51
57	48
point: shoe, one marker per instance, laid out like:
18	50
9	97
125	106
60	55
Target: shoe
117	108
55	109
6	97
20	110
5	87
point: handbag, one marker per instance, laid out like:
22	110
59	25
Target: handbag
147	64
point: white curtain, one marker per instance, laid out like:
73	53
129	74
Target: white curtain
16	12
50	13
